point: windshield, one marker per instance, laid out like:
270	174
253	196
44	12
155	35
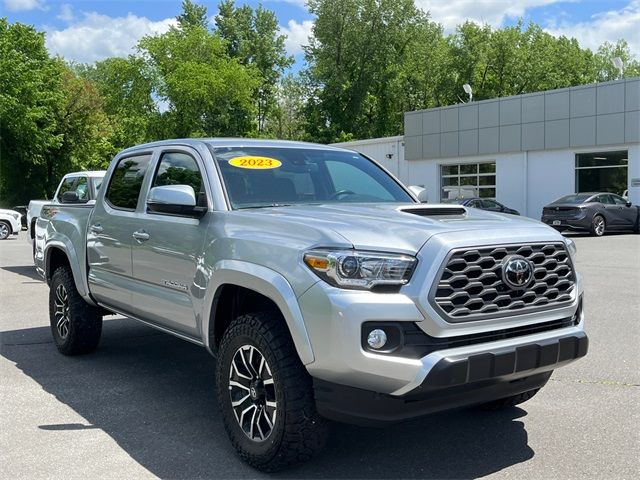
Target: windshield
575	198
271	176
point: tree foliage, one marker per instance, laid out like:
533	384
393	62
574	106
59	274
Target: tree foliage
367	63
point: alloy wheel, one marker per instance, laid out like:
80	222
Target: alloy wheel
62	311
252	392
4	231
599	226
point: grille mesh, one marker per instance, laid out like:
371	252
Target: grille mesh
471	286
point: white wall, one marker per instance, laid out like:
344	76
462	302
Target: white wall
526	181
380	149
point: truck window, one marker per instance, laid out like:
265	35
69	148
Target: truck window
177	168
126	182
82	189
67	185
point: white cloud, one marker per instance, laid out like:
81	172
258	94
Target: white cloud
610	25
297	35
97	36
451	13
23	5
66	13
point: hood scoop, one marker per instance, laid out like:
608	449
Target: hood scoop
436	211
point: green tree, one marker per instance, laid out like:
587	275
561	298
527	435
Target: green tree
357	61
603	68
252	37
31	95
126	87
193	15
207	92
286	120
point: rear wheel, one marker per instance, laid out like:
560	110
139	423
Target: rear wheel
76	326
5	230
266	394
598	226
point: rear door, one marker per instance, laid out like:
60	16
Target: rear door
168	247
109	236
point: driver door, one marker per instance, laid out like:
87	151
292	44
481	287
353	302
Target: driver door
166	248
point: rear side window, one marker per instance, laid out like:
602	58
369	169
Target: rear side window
126	182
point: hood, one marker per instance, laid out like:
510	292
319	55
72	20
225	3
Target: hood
393	227
9	212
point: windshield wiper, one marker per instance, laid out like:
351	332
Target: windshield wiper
270	205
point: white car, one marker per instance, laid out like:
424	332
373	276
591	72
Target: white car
9	223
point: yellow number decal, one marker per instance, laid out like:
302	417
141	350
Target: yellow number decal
256	163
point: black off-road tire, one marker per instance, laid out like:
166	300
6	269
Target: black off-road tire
509	402
298	431
594	226
84	321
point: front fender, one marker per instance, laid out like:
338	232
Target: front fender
267	282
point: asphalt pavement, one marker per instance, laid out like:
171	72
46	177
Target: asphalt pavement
143	406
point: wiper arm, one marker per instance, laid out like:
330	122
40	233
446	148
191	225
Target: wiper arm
270	205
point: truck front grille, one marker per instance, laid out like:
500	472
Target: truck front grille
470	285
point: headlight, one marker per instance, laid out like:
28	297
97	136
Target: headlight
360	270
571	246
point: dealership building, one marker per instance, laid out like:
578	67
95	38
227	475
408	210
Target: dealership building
524	150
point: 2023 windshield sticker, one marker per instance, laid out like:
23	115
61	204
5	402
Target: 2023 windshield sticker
255	163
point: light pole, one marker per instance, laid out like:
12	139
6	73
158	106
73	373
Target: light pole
619	64
468	91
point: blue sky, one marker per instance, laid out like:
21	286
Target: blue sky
89	30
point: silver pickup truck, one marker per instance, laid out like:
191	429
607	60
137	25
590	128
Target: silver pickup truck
326	291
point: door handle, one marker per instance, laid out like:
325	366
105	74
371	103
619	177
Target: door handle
97	228
141	236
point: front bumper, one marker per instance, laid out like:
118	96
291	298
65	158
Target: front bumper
455	381
334	320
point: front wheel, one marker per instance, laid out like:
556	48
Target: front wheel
76	326
5	230
266	395
598	226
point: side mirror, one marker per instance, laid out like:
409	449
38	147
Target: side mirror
174	200
629	204
420	193
70	196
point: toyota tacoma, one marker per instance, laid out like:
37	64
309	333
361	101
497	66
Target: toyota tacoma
323	287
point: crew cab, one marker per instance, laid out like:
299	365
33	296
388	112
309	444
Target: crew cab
76	188
322	285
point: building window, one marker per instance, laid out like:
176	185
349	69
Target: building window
602	172
467	180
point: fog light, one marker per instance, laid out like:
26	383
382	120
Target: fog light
377	338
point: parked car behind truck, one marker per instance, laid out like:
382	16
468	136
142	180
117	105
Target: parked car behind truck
10	223
79	187
324	288
594	212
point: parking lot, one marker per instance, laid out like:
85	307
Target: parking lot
144	405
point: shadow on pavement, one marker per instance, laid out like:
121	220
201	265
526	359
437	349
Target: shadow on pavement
155	396
28	271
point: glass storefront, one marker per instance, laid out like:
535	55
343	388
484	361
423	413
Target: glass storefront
602	172
467	180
